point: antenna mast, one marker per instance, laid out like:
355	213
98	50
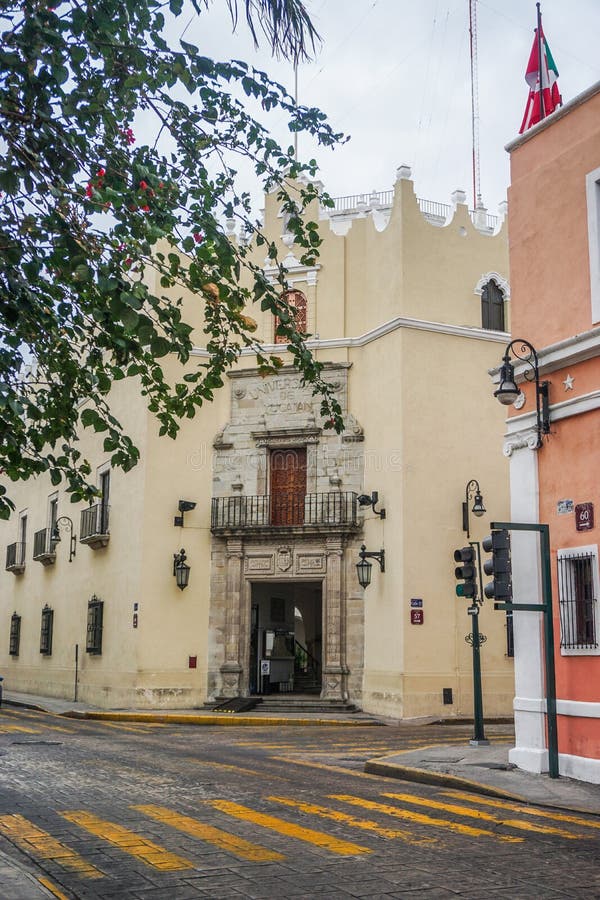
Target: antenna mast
474	102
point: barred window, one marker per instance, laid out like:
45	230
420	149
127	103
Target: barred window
578	600
492	307
46	631
94	626
15	634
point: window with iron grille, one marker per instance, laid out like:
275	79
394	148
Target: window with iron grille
46	631
15	634
94	626
578	600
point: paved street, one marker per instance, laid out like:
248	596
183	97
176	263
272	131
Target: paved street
129	810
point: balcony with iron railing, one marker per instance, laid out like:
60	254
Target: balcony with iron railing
15	558
334	511
44	548
93	529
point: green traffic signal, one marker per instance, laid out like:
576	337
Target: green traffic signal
467	572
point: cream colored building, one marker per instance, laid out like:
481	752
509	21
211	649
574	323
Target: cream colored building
273	604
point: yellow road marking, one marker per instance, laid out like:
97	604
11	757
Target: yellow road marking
40	722
318	838
131	729
222	839
516	807
241	769
421	819
148	852
11	729
40	844
326	768
479	814
366	824
52	888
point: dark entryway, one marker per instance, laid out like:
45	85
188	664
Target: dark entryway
286	638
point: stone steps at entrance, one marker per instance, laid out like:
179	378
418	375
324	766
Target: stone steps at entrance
304	703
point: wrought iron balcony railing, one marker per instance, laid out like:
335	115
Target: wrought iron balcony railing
44	548
15	557
94	526
285	510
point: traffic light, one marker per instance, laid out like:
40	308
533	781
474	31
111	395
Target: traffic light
467	571
498	544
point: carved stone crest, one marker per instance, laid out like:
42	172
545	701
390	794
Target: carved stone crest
284	558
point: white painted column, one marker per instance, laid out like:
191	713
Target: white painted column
530	752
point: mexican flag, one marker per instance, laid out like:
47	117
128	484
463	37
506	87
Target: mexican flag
540	103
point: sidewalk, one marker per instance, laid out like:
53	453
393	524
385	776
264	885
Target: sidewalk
255	717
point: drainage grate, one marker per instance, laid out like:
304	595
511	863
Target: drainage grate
42	743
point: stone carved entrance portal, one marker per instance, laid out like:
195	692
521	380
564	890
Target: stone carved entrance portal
285	533
286	637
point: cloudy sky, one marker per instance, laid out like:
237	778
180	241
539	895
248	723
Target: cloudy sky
394	75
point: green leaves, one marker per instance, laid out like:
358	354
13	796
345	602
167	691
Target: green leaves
111	248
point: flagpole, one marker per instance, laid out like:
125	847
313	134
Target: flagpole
539	42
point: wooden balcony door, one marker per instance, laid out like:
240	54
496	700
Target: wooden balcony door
288	485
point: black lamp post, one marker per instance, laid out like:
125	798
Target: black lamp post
181	570
478	509
364	568
55	537
508	391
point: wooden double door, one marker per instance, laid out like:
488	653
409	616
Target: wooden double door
287	468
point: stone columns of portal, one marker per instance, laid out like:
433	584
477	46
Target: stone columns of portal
334	668
231	669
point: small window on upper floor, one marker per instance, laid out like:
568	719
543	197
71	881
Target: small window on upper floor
297	302
492	307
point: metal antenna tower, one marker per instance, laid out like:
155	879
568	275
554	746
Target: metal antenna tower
474	103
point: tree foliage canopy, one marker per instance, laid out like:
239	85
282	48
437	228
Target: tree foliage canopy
89	210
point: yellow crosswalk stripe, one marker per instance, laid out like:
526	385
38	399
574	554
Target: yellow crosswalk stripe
527	810
42	845
30	717
316	765
19	729
483	816
134	844
366	824
317	838
421	819
222	839
240	769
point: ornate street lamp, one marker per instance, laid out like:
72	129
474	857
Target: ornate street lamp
181	570
55	537
478	509
508	391
364	568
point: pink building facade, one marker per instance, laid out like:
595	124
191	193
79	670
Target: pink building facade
554	239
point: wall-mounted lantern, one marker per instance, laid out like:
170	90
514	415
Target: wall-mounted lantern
478	509
364	568
55	537
181	570
508	391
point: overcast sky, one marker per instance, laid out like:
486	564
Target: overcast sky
394	75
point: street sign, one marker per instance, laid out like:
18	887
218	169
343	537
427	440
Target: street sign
584	516
416	616
416	603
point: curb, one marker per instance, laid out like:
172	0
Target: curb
440	779
222	719
7	702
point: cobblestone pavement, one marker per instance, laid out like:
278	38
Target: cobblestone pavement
142	811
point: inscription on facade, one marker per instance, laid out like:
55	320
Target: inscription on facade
263	563
310	562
